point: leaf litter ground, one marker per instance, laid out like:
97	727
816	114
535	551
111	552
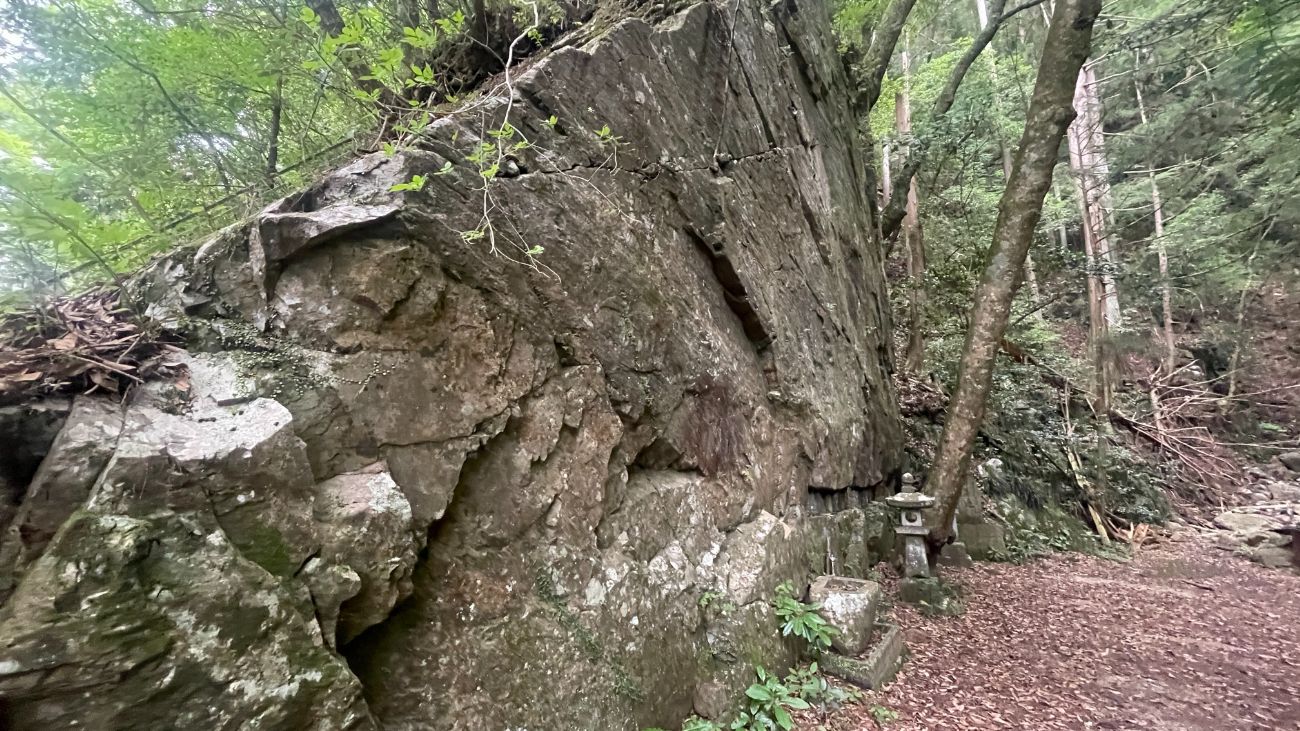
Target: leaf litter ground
1183	637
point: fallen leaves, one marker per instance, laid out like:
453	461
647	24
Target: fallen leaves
79	344
1073	642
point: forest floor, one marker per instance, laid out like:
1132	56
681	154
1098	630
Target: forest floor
1182	637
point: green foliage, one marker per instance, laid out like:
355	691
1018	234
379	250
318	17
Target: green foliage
808	682
716	601
883	715
769	704
126	127
416	183
802	620
769	701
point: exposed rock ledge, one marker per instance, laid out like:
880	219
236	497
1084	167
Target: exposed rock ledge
413	485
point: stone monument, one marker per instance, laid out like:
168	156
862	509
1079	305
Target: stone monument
910	504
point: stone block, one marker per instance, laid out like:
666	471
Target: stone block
851	605
874	670
1246	522
982	539
955	555
1274	557
921	591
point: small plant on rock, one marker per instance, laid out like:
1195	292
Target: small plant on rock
802	620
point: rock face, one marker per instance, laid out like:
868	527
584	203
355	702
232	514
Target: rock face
430	480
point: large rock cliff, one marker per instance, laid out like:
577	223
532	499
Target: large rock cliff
411	482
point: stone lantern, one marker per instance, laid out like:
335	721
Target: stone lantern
911	503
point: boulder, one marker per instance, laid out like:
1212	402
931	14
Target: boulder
1274	557
565	453
1246	523
1290	460
27	431
955	555
159	622
983	540
1288	492
851	605
366	528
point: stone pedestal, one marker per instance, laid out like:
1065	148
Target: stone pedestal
932	595
851	606
875	669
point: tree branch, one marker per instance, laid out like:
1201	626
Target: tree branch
880	49
892	217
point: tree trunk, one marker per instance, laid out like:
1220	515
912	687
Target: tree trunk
1050	112
331	21
1162	253
331	24
273	136
1093	174
1084	161
1031	276
880	42
886	179
913	243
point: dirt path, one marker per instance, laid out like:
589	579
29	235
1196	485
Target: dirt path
1183	638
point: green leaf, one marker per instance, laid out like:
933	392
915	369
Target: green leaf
798	704
758	693
416	183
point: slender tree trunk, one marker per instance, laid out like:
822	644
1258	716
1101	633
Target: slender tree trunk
273	136
913	243
1088	161
1094	174
1162	253
1050	113
886	179
1240	340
